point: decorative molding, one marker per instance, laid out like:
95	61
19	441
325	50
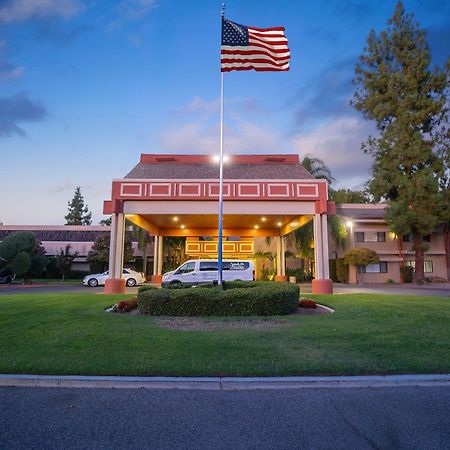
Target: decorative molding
206	190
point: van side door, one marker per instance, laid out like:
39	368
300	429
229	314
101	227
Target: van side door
208	271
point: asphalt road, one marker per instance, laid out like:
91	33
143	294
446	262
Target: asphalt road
330	418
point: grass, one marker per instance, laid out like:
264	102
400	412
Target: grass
368	334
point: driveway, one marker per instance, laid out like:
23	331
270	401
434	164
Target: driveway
432	289
439	290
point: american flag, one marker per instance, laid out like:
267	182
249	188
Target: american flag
247	48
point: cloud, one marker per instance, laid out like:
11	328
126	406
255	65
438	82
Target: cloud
137	9
199	127
327	94
200	137
8	71
199	106
17	109
24	10
338	143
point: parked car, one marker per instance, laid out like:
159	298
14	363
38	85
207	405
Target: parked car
131	278
200	271
7	275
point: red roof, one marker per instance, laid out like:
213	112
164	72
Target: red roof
275	166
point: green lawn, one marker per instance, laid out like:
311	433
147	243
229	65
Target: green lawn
71	334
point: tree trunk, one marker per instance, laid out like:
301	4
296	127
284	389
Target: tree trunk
358	274
447	250
144	260
419	248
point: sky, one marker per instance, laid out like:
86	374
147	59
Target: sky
86	86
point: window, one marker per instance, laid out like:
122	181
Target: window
409	238
233	238
427	265
186	268
359	235
370	236
206	266
380	267
205	238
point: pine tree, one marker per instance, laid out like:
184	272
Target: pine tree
78	213
408	102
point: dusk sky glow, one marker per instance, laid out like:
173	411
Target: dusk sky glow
86	86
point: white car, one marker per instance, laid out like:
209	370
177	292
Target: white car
131	278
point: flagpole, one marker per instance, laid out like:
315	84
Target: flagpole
219	245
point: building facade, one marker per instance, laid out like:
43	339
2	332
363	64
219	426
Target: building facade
366	227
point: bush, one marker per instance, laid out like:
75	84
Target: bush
76	274
238	299
406	274
147	288
300	275
341	271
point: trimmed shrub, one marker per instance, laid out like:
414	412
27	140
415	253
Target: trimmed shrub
341	271
406	274
147	288
251	299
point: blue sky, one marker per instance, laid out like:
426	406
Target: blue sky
86	86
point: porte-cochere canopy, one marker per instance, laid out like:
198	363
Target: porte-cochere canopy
177	195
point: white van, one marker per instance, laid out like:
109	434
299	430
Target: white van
198	271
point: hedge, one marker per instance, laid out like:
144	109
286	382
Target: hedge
239	299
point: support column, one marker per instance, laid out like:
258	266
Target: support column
115	284
325	254
318	267
160	255
321	283
280	260
156	278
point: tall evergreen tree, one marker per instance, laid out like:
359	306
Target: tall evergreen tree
78	213
408	102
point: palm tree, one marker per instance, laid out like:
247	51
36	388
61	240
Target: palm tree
143	238
176	251
317	168
304	236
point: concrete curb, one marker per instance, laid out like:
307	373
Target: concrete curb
222	383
